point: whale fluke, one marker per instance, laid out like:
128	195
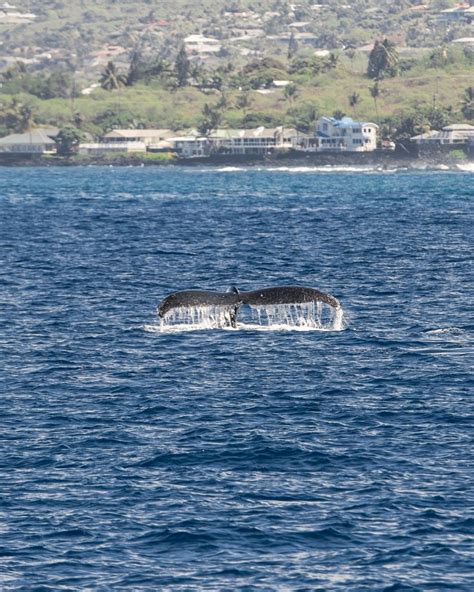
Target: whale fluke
287	295
229	302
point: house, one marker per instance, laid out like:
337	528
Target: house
147	136
107	53
126	141
470	146
342	135
281	83
186	146
201	46
9	17
467	41
457	134
457	14
259	140
99	148
35	142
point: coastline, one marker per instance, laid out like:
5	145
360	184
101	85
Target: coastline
384	160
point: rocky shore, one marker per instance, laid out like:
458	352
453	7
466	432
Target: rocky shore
378	159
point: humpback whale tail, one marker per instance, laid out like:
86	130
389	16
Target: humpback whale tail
294	305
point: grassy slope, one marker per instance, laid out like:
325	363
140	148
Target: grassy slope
181	109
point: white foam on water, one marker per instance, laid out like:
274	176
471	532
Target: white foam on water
326	169
467	167
309	316
230	169
211	317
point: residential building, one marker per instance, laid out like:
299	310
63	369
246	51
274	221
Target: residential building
458	13
99	148
470	146
202	46
188	146
146	136
457	134
341	135
259	140
126	141
35	142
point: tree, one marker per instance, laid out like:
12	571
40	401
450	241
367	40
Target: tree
135	68
78	120
333	60
182	67
211	118
27	118
354	100
375	93
243	100
59	83
467	103
383	60
291	92
18	117
292	46
216	81
111	79
68	140
303	116
310	66
439	57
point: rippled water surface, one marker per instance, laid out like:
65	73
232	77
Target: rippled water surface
240	459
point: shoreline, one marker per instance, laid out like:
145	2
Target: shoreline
380	160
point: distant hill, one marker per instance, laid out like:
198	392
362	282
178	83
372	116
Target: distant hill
87	33
239	63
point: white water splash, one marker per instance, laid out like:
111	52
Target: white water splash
211	317
308	316
468	167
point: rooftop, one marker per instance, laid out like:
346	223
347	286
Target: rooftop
346	122
35	136
139	133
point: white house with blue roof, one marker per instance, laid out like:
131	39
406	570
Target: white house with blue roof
342	135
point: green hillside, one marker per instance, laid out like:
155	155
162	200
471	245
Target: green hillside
139	67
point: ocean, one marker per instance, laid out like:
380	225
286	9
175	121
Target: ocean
273	456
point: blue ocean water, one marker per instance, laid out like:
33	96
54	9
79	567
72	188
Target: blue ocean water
139	459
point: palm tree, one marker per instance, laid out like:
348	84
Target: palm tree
468	103
292	46
391	55
375	93
354	100
111	79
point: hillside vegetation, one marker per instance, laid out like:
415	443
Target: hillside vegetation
156	80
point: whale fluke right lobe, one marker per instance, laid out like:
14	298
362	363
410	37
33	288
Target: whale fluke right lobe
287	295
